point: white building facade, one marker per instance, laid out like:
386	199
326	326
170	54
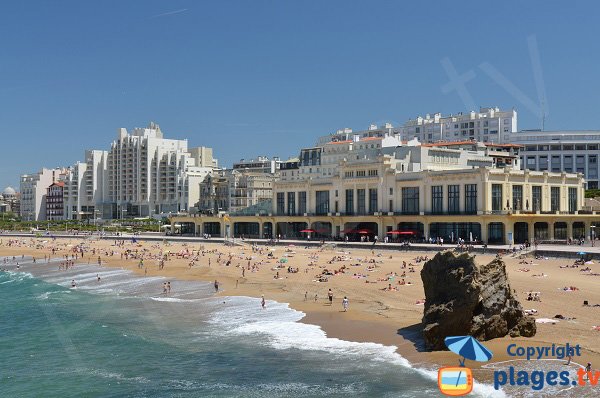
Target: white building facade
558	151
33	192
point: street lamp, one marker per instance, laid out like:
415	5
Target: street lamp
96	213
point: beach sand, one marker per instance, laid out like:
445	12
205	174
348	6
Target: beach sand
374	315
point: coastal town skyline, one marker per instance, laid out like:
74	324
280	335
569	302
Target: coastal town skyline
274	93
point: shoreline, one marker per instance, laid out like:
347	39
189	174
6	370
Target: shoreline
372	317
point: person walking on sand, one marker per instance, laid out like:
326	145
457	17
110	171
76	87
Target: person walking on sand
169	287
330	295
588	370
262	302
216	286
345	304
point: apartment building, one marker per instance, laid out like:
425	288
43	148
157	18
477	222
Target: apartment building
33	192
55	201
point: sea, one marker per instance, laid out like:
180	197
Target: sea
121	337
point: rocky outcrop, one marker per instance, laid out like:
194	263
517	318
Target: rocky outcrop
462	298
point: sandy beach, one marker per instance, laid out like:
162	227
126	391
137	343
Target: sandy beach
375	314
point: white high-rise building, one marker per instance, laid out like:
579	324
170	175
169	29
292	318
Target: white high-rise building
148	174
487	125
33	192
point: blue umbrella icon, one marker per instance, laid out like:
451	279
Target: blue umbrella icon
469	348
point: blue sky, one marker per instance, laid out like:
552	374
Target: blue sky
268	77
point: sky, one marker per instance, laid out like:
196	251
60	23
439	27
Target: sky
256	77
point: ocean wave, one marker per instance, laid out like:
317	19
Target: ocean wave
14	277
280	324
46	295
174	300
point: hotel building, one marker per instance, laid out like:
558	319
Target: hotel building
378	186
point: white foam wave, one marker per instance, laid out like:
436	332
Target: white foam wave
279	324
174	300
46	295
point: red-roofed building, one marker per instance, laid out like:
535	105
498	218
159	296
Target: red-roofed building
55	208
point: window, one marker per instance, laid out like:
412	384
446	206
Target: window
280	203
471	198
496	197
291	197
349	201
437	199
372	173
391	208
554	198
410	200
301	202
453	199
360	173
391	191
543	163
372	200
517	197
322	198
536	198
572	200
360	197
555	163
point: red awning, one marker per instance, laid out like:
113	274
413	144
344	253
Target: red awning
308	231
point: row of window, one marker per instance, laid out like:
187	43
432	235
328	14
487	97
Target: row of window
361	173
521	203
453	203
558	147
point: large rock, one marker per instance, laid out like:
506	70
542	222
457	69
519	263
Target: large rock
462	298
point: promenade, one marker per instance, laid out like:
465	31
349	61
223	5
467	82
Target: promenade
547	250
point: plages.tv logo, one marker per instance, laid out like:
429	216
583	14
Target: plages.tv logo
458	380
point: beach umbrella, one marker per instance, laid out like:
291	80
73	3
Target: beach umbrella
308	231
582	253
364	231
469	348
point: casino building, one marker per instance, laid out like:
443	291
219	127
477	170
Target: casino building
364	187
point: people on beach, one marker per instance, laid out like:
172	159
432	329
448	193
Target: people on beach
330	296
216	286
262	302
73	284
345	303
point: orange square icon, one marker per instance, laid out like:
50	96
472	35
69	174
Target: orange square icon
455	381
